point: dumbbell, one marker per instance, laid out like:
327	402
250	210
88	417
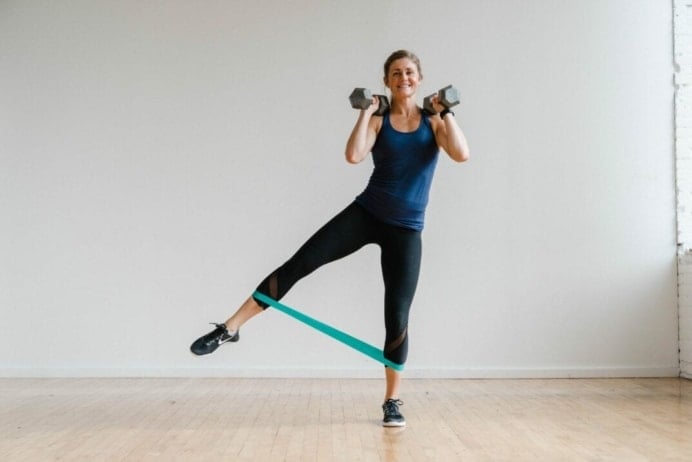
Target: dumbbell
448	97
362	98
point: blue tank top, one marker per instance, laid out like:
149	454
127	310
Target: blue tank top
399	186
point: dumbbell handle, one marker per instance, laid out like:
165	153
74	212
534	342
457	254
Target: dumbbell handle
384	105
447	96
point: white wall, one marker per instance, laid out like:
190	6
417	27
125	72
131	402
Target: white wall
682	20
159	158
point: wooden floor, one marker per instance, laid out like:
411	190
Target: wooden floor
339	420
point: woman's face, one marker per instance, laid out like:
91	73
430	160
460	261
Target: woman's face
403	77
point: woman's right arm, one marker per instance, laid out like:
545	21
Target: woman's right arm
363	136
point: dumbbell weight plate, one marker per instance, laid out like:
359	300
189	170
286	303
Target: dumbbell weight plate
384	105
449	96
360	98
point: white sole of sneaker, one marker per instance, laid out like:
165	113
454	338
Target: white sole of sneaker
393	424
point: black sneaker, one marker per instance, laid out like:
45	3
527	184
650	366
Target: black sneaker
392	416
208	343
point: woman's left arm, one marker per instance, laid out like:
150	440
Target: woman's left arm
449	136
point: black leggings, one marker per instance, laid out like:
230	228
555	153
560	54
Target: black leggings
347	232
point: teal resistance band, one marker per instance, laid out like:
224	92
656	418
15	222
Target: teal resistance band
334	333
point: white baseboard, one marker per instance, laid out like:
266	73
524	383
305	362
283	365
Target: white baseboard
686	369
370	373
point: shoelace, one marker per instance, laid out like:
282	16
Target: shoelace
218	339
391	406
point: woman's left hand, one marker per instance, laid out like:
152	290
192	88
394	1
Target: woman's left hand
436	104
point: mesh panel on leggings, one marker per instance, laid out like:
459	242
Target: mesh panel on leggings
274	286
396	350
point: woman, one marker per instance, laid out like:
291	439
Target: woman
405	143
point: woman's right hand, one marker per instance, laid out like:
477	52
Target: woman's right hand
374	106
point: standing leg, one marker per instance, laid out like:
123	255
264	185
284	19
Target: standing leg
401	257
392	383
